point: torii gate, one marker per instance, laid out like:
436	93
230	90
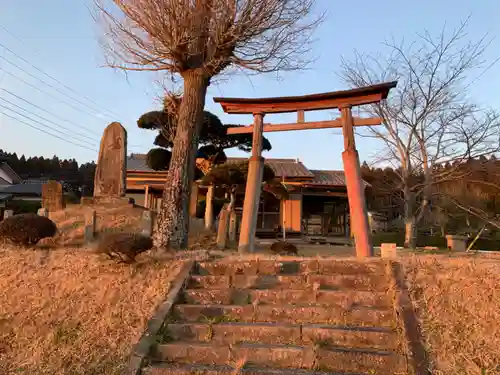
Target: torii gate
344	101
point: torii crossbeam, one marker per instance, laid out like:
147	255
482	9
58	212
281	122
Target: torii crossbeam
344	101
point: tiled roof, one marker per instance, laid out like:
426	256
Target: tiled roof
288	168
23	189
137	162
330	178
283	167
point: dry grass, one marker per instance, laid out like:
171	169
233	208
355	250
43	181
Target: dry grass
69	312
458	301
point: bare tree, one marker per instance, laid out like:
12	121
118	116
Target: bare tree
428	119
197	40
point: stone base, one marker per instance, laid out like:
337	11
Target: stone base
456	243
119	201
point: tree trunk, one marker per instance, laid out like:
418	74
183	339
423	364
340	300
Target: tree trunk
410	222
173	220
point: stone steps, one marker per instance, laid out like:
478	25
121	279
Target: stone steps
364	282
290	334
273	267
299	297
307	317
359	316
176	369
323	358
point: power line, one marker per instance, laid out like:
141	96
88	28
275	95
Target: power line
49	112
45	92
51	77
50	121
46	132
54	88
38	122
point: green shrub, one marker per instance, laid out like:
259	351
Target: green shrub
399	239
283	247
26	229
124	247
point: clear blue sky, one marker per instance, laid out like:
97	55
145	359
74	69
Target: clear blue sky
60	37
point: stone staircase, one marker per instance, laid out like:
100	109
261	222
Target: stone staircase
283	317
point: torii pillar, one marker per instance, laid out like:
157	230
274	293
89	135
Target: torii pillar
355	189
253	188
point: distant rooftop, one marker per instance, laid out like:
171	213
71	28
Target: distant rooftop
287	168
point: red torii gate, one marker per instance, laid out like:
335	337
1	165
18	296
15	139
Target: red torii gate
344	101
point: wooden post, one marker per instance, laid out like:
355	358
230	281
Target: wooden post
223	228
193	200
253	188
209	211
146	196
233	225
355	188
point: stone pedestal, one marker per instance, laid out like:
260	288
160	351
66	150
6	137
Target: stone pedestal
456	243
388	250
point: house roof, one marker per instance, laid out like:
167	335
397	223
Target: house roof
137	162
23	189
4	197
282	167
10	172
288	168
330	178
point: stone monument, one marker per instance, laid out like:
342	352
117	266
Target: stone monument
109	181
52	196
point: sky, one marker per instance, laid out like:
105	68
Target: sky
52	76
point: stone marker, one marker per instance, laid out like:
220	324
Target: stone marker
388	250
148	221
90	226
8	213
456	243
109	181
52	196
43	212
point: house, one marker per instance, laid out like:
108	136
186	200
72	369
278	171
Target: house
8	178
316	204
7	175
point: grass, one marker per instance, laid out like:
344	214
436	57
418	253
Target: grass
71	313
458	302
